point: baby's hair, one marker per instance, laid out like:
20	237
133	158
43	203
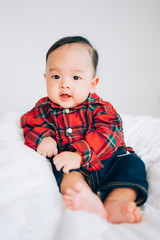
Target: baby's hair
76	39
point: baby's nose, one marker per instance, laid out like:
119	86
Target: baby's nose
65	85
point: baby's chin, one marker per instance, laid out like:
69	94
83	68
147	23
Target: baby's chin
69	105
66	104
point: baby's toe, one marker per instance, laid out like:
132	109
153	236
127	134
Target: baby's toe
130	207
69	192
137	213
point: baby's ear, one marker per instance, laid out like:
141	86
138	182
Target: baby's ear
44	75
94	83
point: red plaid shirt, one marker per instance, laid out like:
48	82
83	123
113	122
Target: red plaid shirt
93	128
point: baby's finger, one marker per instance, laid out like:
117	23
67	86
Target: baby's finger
56	159
66	169
59	165
50	154
55	152
44	154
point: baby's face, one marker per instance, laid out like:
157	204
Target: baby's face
69	75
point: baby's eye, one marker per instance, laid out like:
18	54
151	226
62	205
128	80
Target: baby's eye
76	78
56	76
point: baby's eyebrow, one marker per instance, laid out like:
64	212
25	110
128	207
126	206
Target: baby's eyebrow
78	70
52	69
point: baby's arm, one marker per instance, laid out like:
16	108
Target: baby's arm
67	160
102	139
47	147
36	126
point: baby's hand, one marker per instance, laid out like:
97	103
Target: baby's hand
67	160
47	147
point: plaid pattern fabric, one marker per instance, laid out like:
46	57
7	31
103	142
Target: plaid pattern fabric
94	129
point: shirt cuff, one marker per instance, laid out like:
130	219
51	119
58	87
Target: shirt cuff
34	138
90	160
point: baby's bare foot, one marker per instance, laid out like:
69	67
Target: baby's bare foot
123	212
82	198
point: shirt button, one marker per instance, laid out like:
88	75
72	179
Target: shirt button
67	110
69	130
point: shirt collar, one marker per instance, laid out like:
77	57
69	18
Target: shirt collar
92	98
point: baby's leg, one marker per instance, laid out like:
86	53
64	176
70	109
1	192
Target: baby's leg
77	195
121	207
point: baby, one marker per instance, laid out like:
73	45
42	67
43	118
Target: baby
82	135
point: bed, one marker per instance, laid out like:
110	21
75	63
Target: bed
31	206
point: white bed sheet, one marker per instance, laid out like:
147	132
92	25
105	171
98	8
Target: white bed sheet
31	206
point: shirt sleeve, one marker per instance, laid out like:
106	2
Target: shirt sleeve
102	139
35	128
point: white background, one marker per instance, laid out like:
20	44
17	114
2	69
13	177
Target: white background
126	34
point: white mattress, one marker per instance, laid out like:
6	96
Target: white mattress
31	206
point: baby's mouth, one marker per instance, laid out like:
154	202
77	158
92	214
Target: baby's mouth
65	96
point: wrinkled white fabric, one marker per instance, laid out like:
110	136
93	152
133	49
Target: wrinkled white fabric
31	206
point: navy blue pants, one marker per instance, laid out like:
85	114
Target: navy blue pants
122	170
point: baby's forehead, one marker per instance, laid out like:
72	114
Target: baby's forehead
73	48
77	46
